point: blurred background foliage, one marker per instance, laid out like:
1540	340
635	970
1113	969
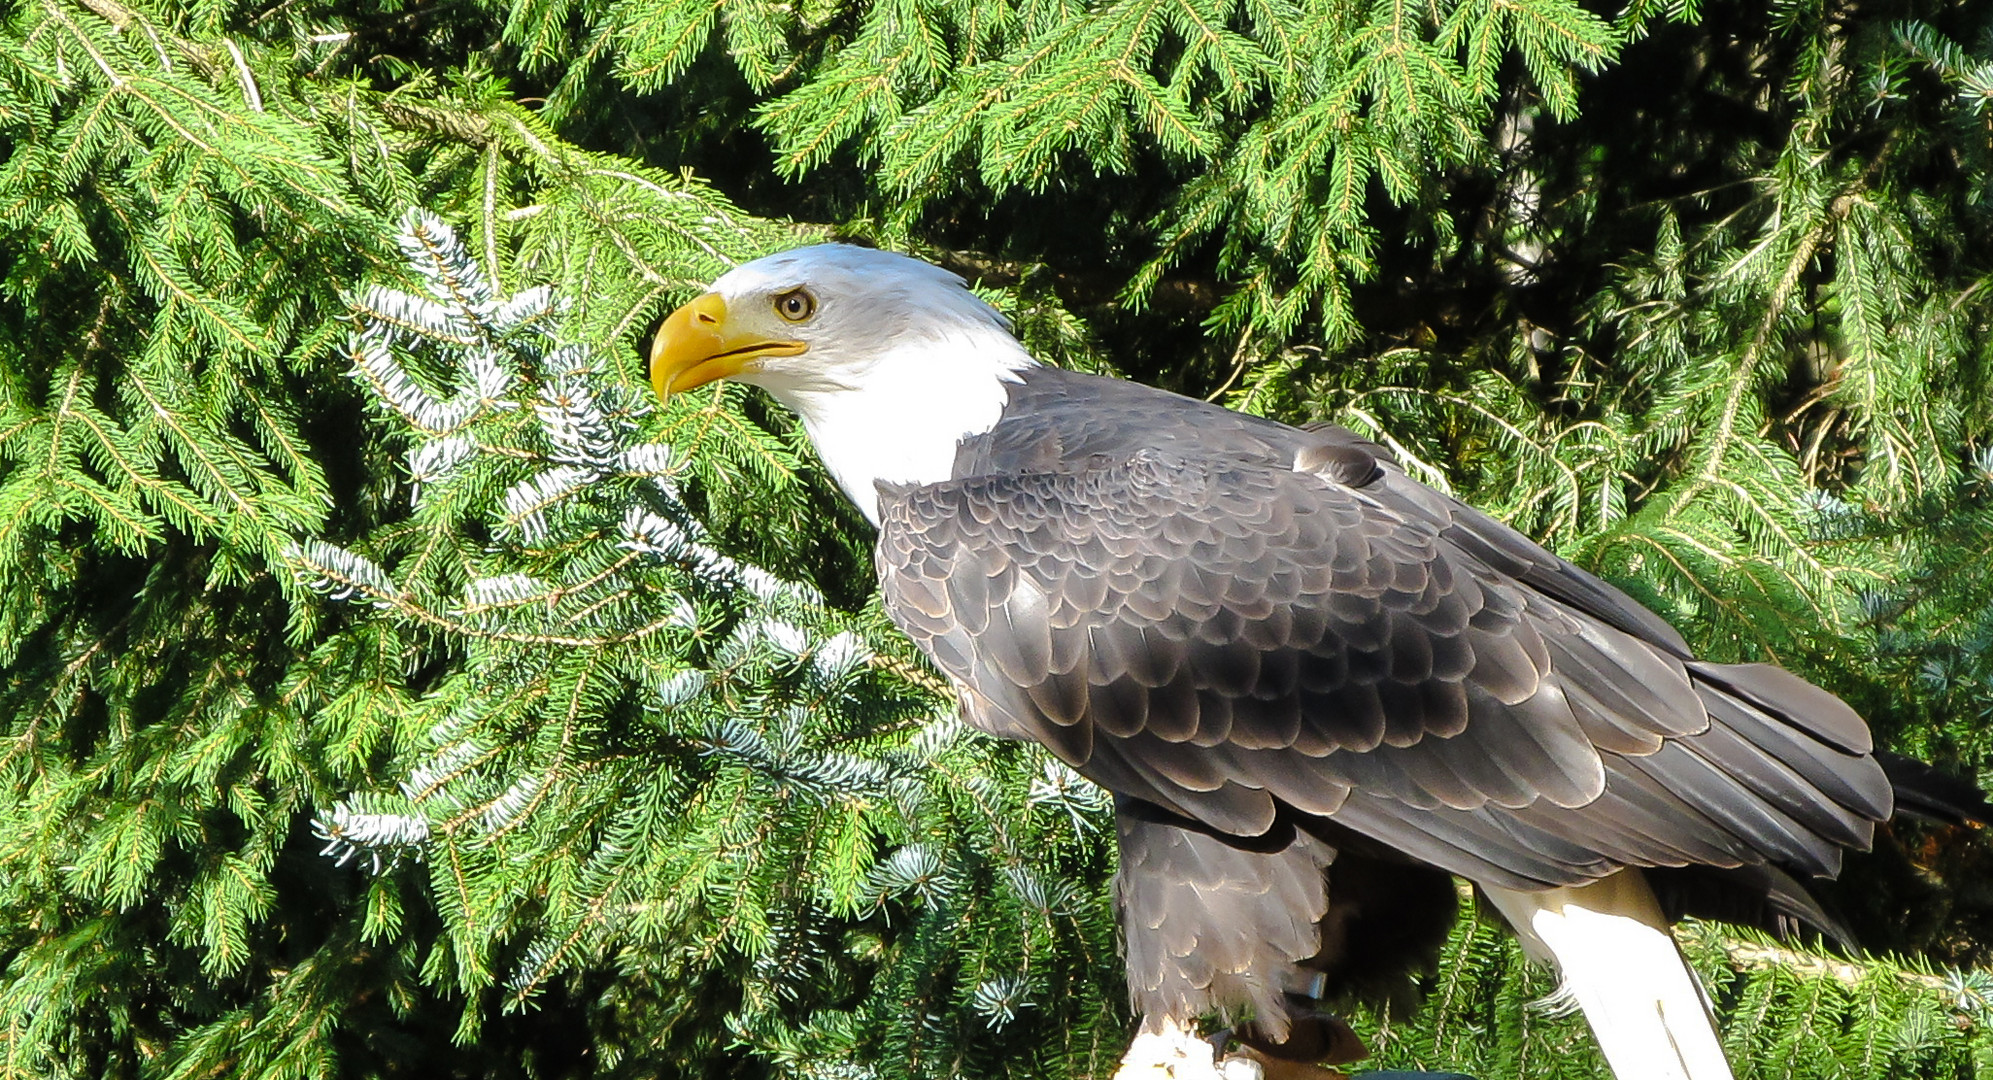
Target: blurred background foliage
362	720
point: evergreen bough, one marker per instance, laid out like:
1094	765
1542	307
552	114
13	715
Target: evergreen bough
639	754
1694	293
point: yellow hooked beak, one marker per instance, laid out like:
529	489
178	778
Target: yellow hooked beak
695	347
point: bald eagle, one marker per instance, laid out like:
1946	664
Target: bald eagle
1316	687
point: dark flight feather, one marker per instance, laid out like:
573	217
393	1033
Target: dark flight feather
1239	626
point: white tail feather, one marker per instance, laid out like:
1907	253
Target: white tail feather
1617	960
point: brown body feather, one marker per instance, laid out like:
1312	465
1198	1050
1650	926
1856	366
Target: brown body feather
1283	645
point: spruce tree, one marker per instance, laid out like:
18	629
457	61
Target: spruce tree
392	688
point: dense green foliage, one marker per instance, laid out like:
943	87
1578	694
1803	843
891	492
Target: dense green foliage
390	689
638	752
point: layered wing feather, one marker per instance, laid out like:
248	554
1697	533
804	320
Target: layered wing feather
1235	639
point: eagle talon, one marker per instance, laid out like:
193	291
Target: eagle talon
1179	1053
1313	1037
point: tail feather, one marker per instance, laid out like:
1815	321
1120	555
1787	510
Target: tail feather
1927	792
1616	959
1759	895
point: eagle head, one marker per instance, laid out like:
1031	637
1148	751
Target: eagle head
819	319
888	360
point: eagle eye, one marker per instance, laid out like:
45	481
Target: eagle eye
796	305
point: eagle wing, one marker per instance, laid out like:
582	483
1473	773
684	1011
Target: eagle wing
1331	644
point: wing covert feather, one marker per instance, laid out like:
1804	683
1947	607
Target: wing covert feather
1233	641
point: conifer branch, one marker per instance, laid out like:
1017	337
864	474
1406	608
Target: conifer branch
1731	360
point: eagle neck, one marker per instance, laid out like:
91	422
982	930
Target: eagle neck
919	402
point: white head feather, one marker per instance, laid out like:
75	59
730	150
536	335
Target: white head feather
902	360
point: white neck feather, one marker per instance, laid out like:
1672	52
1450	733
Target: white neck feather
915	405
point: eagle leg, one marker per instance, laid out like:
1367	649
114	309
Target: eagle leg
1174	1052
1170	1051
